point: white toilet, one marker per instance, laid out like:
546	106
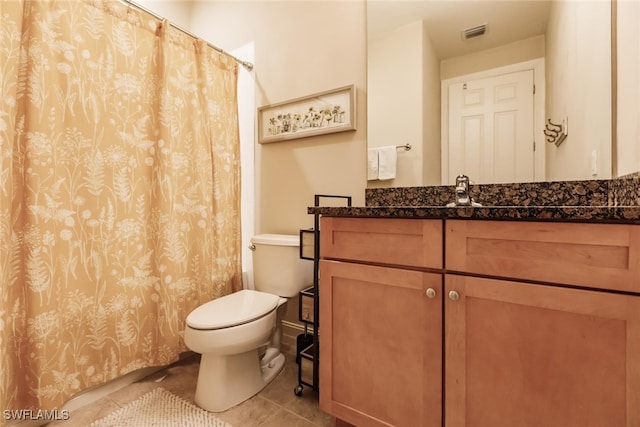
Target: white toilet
239	335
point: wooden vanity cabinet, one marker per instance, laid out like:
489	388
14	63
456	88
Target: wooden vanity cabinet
538	323
381	340
550	336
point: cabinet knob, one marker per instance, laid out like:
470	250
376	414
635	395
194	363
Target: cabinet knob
454	296
431	293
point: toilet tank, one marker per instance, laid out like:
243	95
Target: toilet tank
277	267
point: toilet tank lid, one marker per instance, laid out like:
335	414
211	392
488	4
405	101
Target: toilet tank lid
276	239
233	309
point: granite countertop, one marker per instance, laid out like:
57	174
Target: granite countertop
603	214
613	201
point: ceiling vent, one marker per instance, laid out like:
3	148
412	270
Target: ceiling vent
470	33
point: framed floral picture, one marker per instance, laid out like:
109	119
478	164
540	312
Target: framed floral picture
321	113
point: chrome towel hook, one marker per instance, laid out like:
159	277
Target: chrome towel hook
556	133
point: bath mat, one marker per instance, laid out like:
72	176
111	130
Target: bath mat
160	407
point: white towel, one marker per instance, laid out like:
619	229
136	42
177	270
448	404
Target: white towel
387	157
372	164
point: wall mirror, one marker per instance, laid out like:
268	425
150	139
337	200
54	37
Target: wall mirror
457	79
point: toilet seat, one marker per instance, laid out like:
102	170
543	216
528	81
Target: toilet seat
232	310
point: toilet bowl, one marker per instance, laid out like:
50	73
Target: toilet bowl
239	335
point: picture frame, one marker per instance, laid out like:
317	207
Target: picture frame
318	114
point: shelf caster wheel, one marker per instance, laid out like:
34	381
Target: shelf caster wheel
298	390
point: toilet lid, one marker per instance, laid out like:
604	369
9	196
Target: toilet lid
231	310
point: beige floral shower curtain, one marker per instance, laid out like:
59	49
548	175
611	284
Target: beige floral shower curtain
119	193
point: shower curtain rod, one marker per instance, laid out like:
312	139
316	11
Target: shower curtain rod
247	65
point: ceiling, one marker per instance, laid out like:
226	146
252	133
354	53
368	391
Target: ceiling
507	21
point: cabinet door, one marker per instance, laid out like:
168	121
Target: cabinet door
532	355
380	345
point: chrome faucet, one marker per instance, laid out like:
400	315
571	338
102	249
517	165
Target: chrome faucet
462	193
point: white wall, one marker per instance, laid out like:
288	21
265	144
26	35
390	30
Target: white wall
394	103
246	121
628	40
403	104
579	88
512	53
431	104
177	12
301	48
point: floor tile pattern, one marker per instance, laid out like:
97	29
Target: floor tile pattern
275	406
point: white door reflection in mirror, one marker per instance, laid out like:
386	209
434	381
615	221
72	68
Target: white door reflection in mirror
491	129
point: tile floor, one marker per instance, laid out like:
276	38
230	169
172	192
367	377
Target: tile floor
275	406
